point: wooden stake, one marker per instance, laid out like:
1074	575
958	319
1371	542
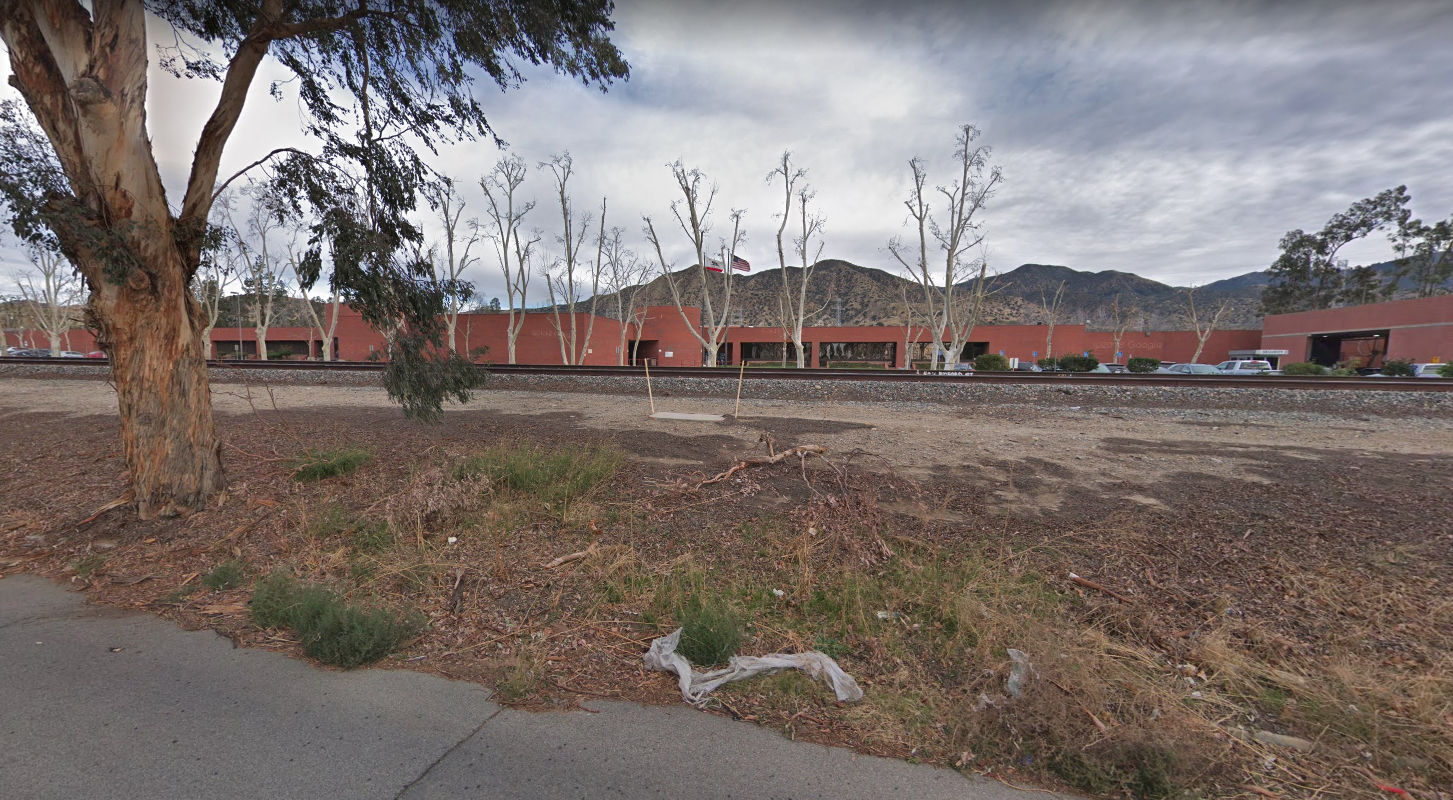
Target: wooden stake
652	397
740	375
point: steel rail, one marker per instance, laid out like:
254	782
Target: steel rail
1085	379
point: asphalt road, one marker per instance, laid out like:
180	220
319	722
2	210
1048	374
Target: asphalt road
101	703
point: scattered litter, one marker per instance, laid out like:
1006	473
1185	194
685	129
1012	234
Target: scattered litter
1280	740
663	657
453	539
887	615
1019	673
1277	739
779	593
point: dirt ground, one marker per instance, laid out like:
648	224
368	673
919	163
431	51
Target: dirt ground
1243	574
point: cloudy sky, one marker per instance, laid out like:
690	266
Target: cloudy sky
1178	141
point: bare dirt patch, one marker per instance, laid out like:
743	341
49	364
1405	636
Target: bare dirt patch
1258	575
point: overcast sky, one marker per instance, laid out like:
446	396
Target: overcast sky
1178	141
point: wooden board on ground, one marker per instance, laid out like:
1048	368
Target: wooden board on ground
688	417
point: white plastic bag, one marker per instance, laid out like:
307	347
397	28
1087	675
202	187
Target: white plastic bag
663	657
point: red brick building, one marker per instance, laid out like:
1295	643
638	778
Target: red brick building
1420	330
664	336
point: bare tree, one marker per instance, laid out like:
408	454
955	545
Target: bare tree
794	298
693	214
955	234
627	282
331	308
912	313
262	267
1121	318
506	214
1202	327
1050	307
213	277
561	279
449	275
51	289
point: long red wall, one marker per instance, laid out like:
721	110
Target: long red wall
666	338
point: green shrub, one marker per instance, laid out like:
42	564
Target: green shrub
1343	372
1350	363
711	631
1304	368
551	475
1446	371
1142	365
331	629
1398	367
1048	363
1074	363
316	465
227	575
991	362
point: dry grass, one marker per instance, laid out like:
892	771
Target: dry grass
1145	700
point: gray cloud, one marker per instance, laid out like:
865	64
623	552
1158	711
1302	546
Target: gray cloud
1178	141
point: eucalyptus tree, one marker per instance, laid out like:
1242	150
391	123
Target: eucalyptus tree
375	84
1310	273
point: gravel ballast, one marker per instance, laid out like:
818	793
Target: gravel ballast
962	391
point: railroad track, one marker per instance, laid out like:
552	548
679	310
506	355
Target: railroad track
1030	378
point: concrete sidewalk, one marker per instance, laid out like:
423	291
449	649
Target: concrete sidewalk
101	703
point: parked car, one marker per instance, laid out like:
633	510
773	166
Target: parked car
1244	367
1419	371
1190	369
96	354
72	354
1025	366
1115	368
27	352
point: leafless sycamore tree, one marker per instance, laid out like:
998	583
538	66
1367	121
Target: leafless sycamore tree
794	292
693	214
1050	306
1121	318
51	289
565	276
626	279
506	215
952	309
448	271
1200	324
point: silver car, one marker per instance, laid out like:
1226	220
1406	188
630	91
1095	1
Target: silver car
1190	369
1244	367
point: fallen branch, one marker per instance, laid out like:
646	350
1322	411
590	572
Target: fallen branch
117	503
566	559
802	451
1089	584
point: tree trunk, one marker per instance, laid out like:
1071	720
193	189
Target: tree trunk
55	344
167	432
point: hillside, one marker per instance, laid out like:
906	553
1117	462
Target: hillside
846	294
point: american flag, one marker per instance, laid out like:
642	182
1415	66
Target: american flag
737	263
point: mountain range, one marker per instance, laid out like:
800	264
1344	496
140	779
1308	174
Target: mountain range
842	293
